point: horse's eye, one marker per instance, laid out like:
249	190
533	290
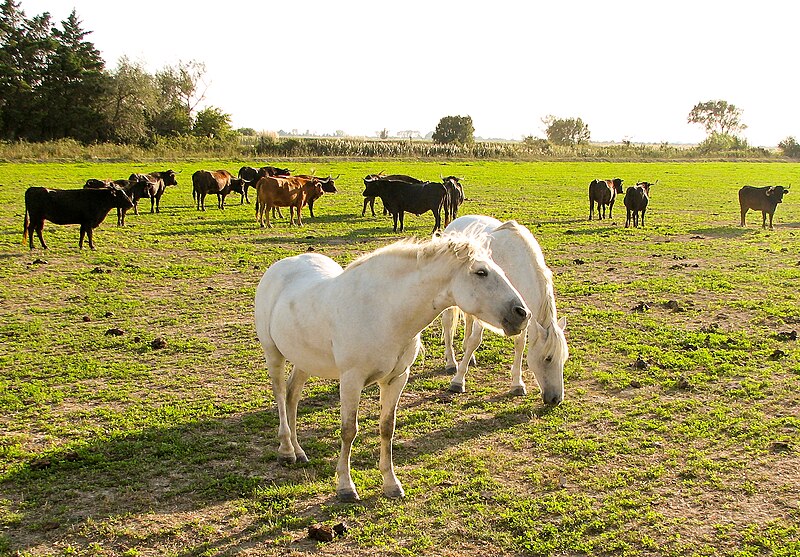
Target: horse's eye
482	273
548	359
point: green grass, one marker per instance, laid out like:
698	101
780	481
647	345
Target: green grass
109	446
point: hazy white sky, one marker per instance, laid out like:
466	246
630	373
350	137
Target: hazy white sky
630	69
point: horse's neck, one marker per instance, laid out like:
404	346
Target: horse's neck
411	293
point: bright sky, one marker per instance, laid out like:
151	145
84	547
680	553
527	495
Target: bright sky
629	69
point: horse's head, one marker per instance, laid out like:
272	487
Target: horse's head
547	352
482	289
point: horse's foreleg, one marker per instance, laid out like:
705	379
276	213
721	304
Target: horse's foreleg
390	395
517	384
472	339
277	373
349	394
449	324
297	379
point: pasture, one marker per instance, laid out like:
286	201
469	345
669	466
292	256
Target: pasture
679	434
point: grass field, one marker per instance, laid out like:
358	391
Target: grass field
109	446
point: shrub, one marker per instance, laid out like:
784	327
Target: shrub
790	148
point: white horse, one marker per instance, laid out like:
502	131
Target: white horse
362	325
518	253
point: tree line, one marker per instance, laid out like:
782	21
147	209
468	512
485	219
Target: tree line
54	85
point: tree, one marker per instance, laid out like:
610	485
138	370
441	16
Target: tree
455	129
74	87
790	148
131	99
566	131
717	117
212	122
180	93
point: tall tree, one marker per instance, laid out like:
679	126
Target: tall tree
455	129
132	99
182	88
75	86
26	46
717	117
566	131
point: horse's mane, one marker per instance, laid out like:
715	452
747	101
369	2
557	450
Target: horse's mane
545	314
463	247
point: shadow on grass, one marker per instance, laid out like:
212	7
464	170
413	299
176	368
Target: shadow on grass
208	462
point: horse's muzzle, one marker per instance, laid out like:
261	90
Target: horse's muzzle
516	320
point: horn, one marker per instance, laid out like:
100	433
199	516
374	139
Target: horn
337	176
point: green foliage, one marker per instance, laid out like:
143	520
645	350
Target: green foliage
213	122
566	131
722	142
790	148
456	130
718	117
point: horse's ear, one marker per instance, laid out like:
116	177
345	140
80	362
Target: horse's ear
562	323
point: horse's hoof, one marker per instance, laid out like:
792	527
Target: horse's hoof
286	460
302	458
348	496
457	388
519	391
450	370
394	492
473	361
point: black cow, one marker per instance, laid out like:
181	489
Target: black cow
87	207
764	199
160	181
136	190
400	197
370	200
253	175
603	192
636	200
455	197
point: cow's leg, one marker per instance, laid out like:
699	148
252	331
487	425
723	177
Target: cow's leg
763	219
364	208
449	324
390	395
39	226
611	209
643	210
472	339
402	216
628	219
770	221
591	209
294	389
517	384
395	218
268	208
311	208
350	387
744	212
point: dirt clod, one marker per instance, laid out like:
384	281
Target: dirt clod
340	529
674	306
320	532
114	332
158	343
780	447
108	314
640	363
786	335
777	355
641	306
683	383
86	318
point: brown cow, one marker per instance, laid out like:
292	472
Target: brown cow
160	181
291	191
636	200
603	192
219	182
764	199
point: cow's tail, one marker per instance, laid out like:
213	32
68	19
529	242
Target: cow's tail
25	225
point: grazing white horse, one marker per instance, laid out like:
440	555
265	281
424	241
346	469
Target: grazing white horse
362	325
518	253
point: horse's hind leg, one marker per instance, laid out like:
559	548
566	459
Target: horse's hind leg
297	379
471	343
390	394
277	373
517	384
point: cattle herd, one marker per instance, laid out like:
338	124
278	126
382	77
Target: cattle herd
278	187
